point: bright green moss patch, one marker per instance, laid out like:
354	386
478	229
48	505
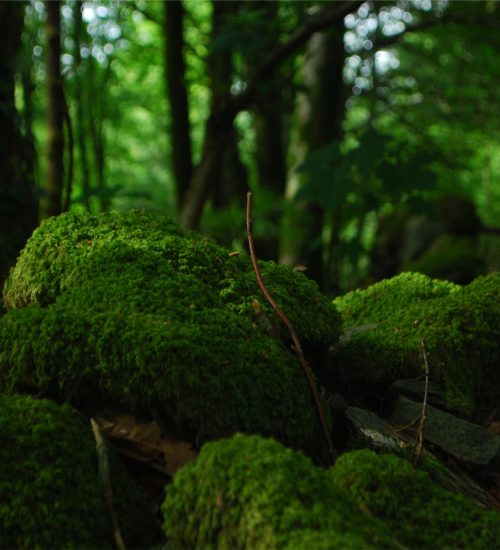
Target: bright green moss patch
460	327
50	493
129	309
251	492
418	513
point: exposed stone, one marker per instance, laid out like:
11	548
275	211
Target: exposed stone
467	442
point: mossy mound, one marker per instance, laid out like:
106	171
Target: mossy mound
50	493
251	492
452	258
130	310
417	512
458	325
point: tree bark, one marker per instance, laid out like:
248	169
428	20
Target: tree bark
18	205
219	122
320	112
270	148
177	97
81	128
54	177
231	182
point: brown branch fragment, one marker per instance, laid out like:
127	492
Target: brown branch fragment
423	415
296	342
103	462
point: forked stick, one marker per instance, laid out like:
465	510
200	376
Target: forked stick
296	342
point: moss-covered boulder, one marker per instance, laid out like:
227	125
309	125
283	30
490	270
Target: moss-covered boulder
51	495
251	492
460	327
450	257
417	512
130	310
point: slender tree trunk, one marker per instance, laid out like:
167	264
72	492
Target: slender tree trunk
54	177
218	128
220	121
29	138
18	207
97	114
320	113
270	148
231	183
182	161
81	128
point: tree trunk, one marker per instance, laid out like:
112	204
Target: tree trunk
270	149
218	128
81	128
231	183
320	112
96	114
54	176
18	208
177	97
220	121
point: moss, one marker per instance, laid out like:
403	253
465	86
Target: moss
450	257
418	513
459	326
70	249
131	310
50	493
251	492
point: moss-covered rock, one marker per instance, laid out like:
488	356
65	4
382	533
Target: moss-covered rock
50	493
450	257
417	512
251	492
131	310
459	326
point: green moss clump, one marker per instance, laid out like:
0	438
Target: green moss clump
251	492
72	249
450	257
129	309
50	493
459	326
418	513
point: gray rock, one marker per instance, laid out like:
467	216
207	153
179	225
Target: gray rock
375	432
414	389
467	442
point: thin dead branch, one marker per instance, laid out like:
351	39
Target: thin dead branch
423	415
296	341
103	462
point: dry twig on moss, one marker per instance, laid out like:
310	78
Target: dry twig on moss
103	463
419	447
291	329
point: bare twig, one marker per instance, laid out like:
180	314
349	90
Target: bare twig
423	415
298	347
102	456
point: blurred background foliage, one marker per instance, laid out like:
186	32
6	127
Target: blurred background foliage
371	145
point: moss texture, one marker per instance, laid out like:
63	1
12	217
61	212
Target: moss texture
50	493
251	492
417	512
459	326
131	310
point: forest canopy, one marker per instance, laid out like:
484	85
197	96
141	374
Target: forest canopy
367	130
